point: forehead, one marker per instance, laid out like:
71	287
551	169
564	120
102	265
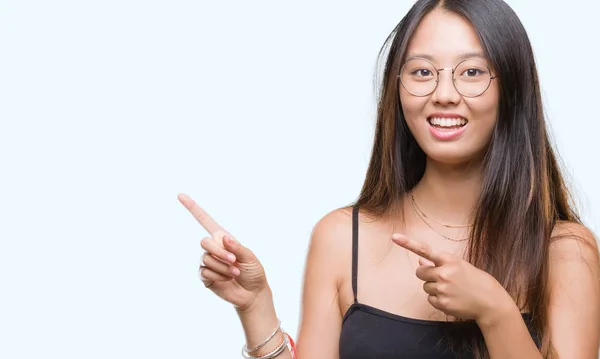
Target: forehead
445	37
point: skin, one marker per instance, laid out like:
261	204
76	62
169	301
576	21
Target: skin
426	275
445	37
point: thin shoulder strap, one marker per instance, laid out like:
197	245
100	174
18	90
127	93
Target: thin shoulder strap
355	252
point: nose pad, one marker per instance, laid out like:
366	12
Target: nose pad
445	91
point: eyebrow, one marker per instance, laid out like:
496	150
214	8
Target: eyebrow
463	56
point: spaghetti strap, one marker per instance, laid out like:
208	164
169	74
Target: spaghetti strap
355	252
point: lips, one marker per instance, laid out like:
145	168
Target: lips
447	122
444	126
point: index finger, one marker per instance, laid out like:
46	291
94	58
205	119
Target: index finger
421	249
201	216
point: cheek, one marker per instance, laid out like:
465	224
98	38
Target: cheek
484	109
412	106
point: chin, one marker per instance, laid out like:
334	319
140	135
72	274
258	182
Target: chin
452	155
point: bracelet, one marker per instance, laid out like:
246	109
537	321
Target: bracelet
247	351
291	346
275	352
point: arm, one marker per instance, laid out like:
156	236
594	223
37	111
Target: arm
259	321
507	336
574	313
574	307
458	289
321	318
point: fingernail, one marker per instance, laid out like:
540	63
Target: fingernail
235	271
231	257
228	240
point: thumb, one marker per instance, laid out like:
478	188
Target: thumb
426	262
242	253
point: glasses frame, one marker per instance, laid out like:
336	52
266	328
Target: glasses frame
437	80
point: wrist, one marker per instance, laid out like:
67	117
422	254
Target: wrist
497	312
259	320
262	301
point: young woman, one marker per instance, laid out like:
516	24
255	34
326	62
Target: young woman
463	242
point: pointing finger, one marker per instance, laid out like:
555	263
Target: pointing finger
421	249
201	216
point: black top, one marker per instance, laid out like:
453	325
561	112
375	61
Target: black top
368	332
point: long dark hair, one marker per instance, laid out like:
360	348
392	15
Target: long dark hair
523	193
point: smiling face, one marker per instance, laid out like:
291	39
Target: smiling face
449	126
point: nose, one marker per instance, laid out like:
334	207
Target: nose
445	93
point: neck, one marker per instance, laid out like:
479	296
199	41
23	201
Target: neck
448	193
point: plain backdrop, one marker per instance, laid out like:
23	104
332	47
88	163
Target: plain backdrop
262	111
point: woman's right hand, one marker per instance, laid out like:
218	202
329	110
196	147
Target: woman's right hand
229	269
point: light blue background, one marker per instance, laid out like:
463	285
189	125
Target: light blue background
262	111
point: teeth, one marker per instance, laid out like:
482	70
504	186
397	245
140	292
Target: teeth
447	122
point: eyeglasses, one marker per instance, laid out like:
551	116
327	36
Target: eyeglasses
470	77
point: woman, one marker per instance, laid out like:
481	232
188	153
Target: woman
463	242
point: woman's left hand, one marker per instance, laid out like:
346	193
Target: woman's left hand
455	286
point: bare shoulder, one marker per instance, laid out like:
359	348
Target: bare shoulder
573	241
574	303
573	258
321	319
337	222
331	237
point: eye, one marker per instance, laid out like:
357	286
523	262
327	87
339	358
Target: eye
422	73
472	72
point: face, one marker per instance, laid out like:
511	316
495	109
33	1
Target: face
450	127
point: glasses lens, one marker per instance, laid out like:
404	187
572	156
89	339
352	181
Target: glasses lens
419	77
472	78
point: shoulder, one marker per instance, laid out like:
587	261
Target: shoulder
335	221
331	240
327	262
573	256
333	230
564	229
571	240
574	288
